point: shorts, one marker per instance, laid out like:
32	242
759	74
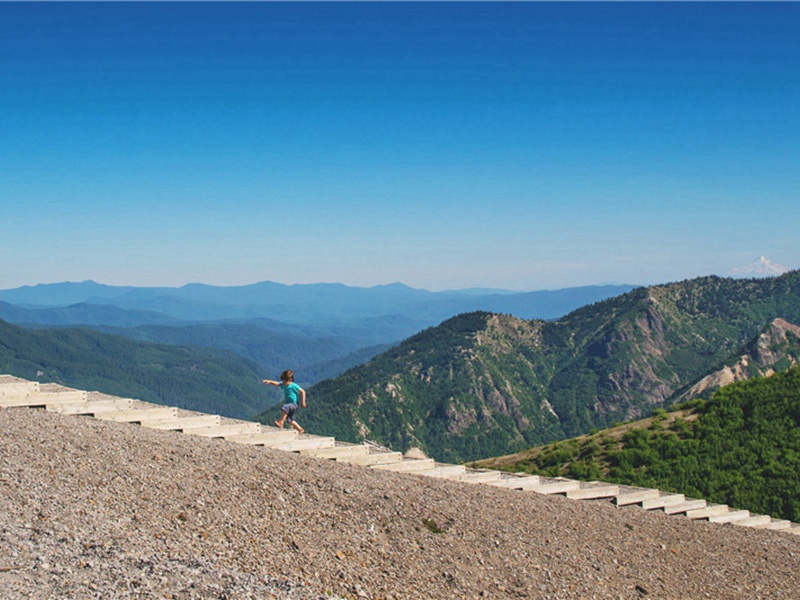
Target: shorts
289	409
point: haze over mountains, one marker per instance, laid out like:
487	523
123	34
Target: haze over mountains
319	330
318	304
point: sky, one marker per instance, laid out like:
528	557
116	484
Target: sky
452	145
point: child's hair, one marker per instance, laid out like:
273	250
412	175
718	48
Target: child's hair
287	375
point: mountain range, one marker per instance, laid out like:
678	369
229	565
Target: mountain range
482	384
317	304
479	384
319	330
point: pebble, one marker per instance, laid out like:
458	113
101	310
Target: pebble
140	513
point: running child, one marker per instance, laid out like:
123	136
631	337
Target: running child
291	392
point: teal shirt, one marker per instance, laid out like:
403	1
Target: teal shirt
291	392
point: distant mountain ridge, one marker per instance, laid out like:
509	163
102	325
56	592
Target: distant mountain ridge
320	303
59	294
483	384
83	313
319	330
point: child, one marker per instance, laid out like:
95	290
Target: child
290	393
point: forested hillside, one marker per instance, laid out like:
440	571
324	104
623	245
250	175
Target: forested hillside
203	379
741	448
483	384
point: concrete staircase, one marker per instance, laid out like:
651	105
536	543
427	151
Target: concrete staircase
15	392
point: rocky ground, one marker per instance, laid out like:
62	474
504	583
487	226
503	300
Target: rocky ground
92	509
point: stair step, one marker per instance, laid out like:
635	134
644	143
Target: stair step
518	483
62	396
443	471
301	443
683	507
776	525
637	497
42	398
758	521
139	415
731	516
368	460
338	452
409	465
11	390
663	501
91	407
478	477
556	487
711	510
221	431
183	423
267	436
590	492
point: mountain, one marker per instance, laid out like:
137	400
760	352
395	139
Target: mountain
317	304
82	314
777	348
319	330
740	448
482	384
202	379
60	294
761	267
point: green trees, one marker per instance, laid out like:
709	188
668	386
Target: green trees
202	379
741	448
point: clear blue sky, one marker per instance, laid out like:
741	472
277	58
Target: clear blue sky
444	145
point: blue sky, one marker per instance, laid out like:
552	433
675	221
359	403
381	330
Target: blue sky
444	145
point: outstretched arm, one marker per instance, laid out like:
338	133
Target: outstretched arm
270	382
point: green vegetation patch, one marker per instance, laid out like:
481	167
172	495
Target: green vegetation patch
741	448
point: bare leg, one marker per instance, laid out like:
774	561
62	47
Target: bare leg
299	429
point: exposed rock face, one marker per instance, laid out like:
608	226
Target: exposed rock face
778	346
93	509
777	343
645	379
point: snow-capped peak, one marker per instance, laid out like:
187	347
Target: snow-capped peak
761	267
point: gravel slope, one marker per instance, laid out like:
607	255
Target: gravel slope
92	509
